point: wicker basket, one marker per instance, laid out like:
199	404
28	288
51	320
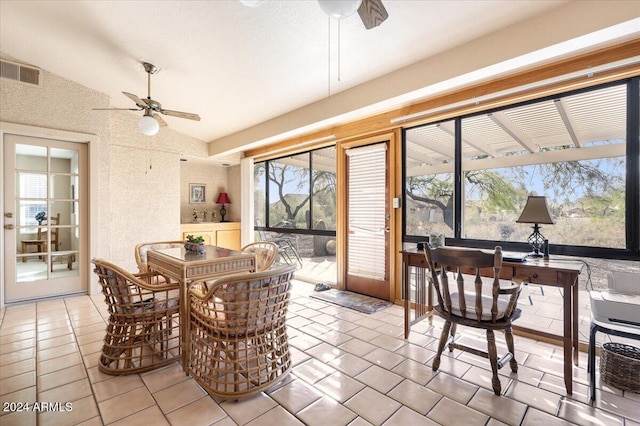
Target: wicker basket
620	366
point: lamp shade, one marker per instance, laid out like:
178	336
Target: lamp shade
148	125
535	211
223	198
339	8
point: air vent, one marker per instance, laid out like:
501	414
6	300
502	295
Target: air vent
21	73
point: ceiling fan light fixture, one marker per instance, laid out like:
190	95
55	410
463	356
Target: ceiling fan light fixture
339	8
148	125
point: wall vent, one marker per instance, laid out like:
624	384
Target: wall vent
19	72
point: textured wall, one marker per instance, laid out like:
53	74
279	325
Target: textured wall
215	179
138	187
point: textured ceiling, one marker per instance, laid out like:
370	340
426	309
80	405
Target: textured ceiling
234	65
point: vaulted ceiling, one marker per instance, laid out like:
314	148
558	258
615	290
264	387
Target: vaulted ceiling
242	69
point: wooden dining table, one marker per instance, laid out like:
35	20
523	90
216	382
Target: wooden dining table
189	268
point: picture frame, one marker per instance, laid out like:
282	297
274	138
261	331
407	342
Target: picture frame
197	193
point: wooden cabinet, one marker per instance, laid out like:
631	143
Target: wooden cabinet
219	234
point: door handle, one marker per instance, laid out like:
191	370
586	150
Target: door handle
9	215
9	226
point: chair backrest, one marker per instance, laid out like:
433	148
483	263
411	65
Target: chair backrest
48	224
243	303
119	287
464	267
142	249
265	252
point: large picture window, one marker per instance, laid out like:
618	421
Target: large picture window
570	148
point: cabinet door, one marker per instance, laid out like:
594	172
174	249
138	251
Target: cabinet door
228	238
209	236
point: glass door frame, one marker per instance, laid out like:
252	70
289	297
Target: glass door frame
87	246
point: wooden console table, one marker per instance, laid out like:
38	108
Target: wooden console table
554	273
188	268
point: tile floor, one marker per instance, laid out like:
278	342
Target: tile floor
350	369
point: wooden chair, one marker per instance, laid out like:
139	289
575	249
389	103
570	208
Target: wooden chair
237	339
266	253
469	305
50	225
141	334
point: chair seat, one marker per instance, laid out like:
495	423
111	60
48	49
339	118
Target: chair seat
470	300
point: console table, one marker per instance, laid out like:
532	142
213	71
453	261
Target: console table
554	273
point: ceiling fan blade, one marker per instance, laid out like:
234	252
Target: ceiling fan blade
161	122
372	13
142	104
181	114
117	109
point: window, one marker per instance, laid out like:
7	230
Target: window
570	148
297	192
429	180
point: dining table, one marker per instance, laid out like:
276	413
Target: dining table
189	268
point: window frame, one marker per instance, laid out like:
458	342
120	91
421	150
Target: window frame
632	183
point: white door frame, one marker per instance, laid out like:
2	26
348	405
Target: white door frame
46	133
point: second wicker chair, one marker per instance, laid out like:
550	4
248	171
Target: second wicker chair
237	338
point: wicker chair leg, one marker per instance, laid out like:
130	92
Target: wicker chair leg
493	359
444	337
508	336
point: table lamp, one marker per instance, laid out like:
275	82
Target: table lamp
536	211
223	199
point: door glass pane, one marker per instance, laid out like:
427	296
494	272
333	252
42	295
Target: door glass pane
367	210
33	269
60	186
31	158
62	160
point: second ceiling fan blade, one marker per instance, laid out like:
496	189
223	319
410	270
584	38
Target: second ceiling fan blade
372	13
181	114
137	100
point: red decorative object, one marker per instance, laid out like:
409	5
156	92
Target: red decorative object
223	199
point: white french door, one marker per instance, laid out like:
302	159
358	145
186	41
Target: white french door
45	227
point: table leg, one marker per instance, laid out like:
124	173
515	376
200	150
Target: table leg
576	318
591	362
407	301
567	296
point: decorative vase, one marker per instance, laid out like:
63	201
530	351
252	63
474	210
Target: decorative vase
194	247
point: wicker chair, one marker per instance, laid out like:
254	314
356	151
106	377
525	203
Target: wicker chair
237	338
266	253
470	306
141	332
142	249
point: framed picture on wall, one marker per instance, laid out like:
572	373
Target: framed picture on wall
197	193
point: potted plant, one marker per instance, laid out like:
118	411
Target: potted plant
194	244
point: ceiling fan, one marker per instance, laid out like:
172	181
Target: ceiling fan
150	122
372	12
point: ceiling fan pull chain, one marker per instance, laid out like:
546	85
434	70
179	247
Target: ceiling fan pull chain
339	50
328	57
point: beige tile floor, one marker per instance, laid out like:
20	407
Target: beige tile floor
350	369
